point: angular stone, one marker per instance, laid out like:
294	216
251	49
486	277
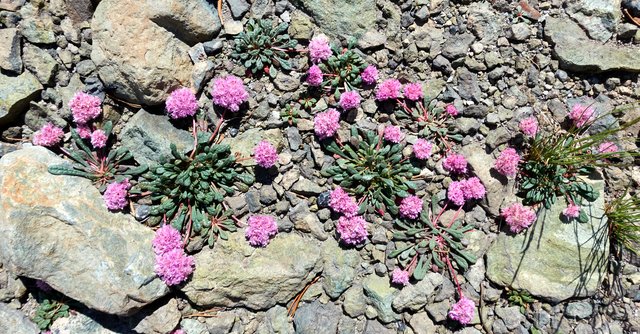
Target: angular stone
353	19
552	259
354	303
79	10
415	296
37	25
79	323
41	212
15	322
381	295
15	94
235	274
157	321
317	318
307	187
371	39
10	50
339	268
244	143
598	17
457	46
40	63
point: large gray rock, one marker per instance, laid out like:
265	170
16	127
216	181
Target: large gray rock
598	17
40	63
576	52
235	274
15	94
141	49
10	50
554	260
55	228
15	322
380	295
415	296
339	268
353	18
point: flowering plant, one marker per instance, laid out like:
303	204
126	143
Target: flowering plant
342	69
429	122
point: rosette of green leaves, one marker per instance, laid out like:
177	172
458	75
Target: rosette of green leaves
431	123
49	311
188	190
371	169
261	46
344	68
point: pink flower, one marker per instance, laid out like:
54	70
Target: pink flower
463	311
174	266
319	49
229	92
369	75
411	207
455	163
580	115
49	135
451	110
325	124
473	189
572	211
84	107
529	126
314	76
98	139
83	131
178	331
349	100
352	230
607	147
393	134
260	229
518	217
115	197
44	286
400	277
166	239
388	89
265	154
341	202
181	103
422	149
507	162
413	91
455	193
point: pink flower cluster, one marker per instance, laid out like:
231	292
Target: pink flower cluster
400	277
451	110
463	311
461	191
393	134
518	217
49	135
455	163
581	115
84	107
115	197
265	154
181	103
369	75
341	202
84	131
529	126
98	139
607	147
260	229
388	90
507	162
314	76
422	149
352	230
411	207
173	265
229	92
349	100
572	211
325	124
413	91
319	49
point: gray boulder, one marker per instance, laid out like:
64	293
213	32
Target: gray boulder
15	94
353	18
598	17
15	322
10	50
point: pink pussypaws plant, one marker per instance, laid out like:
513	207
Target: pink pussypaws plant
352	230
463	311
229	92
507	162
84	107
518	217
260	230
327	123
400	277
49	135
181	103
265	154
115	197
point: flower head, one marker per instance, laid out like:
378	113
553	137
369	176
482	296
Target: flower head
314	76
369	75
325	124
260	229
455	193
181	103
451	110
48	135
422	149
473	189
265	154
455	163
115	197
581	115
98	139
400	277
413	91
388	89
352	230
174	266
529	126
393	134
229	92
84	131
84	107
518	217
319	49
411	207
349	100
166	239
607	147
507	162
463	311
341	202
572	211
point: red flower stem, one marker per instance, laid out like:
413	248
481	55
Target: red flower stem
454	217
220	121
453	275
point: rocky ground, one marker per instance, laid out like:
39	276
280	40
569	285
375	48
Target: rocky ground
497	61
